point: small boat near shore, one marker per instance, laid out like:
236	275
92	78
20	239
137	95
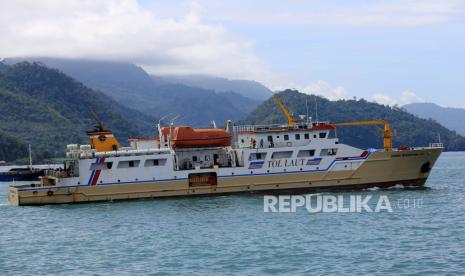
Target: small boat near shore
21	174
18	173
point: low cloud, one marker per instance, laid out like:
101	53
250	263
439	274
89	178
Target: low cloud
323	88
384	99
406	97
125	31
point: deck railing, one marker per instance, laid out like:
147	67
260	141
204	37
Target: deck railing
436	145
258	128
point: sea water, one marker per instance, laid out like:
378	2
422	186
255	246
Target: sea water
233	235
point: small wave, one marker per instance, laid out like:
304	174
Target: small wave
397	186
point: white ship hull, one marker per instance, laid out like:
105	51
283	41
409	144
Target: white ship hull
349	169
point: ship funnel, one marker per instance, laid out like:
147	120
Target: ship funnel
102	139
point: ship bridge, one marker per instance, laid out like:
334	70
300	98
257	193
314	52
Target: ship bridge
278	135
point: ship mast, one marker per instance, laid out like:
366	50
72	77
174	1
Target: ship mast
30	158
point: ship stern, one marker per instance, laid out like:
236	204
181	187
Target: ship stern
13	196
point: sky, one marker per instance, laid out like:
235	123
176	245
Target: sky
391	52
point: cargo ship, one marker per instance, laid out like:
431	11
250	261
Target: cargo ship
297	157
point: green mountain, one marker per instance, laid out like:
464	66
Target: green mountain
48	109
249	89
449	117
156	96
3	66
11	147
411	130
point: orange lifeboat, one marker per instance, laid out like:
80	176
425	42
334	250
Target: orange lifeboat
188	137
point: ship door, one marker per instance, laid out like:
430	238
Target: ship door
203	179
216	159
270	141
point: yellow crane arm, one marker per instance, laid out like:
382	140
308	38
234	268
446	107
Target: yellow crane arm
286	112
387	133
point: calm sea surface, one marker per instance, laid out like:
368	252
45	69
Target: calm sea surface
232	235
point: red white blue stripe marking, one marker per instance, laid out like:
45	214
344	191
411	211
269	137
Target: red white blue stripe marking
256	164
95	173
314	161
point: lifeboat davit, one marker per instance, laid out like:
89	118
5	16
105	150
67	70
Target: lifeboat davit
188	137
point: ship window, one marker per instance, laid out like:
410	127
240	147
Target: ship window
194	158
154	162
306	136
306	153
128	164
328	152
207	157
297	136
281	154
257	156
286	137
322	134
101	166
314	135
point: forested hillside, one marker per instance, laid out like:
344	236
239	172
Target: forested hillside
411	130
48	109
11	148
249	89
156	96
